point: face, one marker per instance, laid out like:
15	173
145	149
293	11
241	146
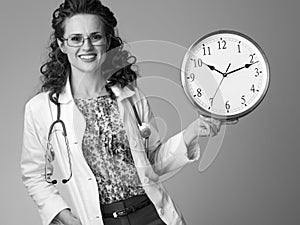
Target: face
87	58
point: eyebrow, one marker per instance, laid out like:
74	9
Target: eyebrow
97	32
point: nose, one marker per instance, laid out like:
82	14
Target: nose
87	44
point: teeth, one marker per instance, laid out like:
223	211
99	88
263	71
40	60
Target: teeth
87	56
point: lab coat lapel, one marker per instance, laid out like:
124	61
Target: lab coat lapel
75	122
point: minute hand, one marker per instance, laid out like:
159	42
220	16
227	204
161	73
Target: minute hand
245	66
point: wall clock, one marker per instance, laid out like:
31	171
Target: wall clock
225	74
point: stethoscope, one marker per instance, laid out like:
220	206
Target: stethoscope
144	129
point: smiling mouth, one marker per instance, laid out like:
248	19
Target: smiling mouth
88	57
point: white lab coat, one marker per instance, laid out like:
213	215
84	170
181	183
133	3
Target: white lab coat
159	159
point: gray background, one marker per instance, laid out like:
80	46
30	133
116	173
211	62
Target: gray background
255	177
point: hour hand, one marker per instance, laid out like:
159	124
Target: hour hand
245	66
213	68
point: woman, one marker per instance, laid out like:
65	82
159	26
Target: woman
102	132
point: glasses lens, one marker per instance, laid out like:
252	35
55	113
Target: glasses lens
75	40
78	40
97	39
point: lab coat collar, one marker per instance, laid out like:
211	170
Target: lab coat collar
121	93
66	95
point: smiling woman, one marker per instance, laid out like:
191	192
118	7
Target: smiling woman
85	56
75	21
110	155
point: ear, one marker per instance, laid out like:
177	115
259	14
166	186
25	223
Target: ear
61	45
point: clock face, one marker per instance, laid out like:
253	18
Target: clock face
225	74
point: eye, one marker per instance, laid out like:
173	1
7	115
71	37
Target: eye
96	37
76	38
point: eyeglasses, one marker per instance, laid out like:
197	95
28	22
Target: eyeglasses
77	40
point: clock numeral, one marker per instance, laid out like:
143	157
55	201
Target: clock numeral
253	89
197	62
243	100
191	77
199	93
206	50
222	44
252	58
258	72
227	106
211	103
239	47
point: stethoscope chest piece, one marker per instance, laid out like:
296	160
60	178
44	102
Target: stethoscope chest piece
145	130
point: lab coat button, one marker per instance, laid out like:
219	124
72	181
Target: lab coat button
90	178
133	143
161	211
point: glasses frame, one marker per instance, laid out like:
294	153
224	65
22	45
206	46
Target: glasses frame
83	40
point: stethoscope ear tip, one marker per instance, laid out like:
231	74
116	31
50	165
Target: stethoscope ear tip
54	182
64	181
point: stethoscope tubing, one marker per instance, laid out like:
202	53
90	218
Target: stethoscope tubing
145	133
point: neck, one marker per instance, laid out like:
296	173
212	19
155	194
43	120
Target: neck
86	85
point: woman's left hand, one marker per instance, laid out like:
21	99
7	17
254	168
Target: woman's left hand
202	127
208	126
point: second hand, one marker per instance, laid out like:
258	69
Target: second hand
224	75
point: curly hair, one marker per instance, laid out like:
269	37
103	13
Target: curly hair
118	61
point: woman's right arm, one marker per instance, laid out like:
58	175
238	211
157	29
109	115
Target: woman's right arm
44	194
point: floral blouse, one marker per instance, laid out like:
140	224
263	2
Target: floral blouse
106	149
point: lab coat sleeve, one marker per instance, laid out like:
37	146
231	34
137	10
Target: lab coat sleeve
45	195
171	154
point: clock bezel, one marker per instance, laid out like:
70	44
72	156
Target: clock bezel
205	111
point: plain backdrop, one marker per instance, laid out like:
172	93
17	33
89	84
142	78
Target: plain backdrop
255	176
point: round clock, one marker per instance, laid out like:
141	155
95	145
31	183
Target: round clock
225	74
